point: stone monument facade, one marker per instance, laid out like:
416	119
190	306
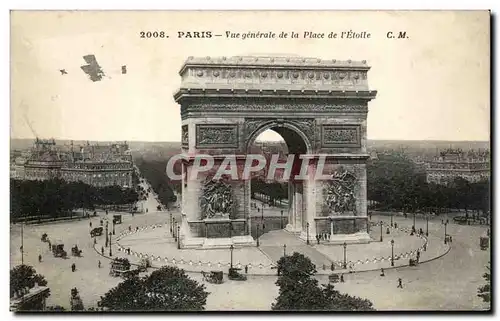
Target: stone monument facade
319	107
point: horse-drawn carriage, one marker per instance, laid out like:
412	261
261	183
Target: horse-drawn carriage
75	251
58	250
484	242
96	231
235	275
45	237
216	277
117	219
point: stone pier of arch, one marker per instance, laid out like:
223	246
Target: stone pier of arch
319	107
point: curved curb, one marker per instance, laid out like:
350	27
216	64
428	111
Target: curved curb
343	271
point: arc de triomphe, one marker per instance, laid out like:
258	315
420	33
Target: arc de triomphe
319	107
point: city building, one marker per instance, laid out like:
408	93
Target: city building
93	164
473	166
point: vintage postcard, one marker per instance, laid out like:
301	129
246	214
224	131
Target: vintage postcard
250	160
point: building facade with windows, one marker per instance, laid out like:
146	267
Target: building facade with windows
92	164
472	166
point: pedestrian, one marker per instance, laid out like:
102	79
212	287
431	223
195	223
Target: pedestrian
342	278
332	267
246	269
382	273
99	264
102	251
137	228
395	225
39	258
130	228
425	246
101	222
90	224
451	239
400	283
95	241
128	251
146	210
50	246
73	267
106	212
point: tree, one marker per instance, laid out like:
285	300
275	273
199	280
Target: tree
166	289
299	290
24	276
484	292
76	301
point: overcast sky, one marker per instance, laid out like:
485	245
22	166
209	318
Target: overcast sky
434	85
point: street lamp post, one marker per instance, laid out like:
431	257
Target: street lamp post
171	229
281	222
110	252
392	252
231	248
307	233
427	225
345	257
178	237
284	249
22	243
113	227
392	224
381	233
106	245
174	230
258	235
445	223
414	223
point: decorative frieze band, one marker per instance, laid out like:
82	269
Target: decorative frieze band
341	135
217	136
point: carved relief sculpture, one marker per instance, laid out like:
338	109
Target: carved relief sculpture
185	135
340	192
217	200
216	135
341	135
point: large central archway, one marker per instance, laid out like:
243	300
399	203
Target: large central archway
297	144
319	107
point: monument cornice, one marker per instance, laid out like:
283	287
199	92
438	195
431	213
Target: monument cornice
183	93
264	62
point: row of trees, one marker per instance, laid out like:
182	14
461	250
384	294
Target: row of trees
275	190
395	182
154	171
57	198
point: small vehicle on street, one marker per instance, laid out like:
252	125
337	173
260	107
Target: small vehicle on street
117	219
234	274
75	251
216	277
119	266
58	250
484	242
333	278
96	231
